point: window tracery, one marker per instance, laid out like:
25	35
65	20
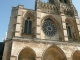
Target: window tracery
49	27
28	26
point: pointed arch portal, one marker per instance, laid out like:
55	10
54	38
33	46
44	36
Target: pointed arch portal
27	54
76	55
54	53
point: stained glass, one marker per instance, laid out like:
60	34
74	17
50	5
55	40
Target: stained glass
49	27
28	26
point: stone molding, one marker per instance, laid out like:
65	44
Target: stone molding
45	41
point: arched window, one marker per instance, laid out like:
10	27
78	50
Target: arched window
68	31
28	26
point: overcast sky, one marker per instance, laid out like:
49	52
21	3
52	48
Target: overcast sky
5	11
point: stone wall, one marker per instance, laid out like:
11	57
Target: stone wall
40	47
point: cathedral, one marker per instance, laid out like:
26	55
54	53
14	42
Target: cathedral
49	32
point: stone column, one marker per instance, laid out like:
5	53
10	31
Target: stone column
64	27
78	25
13	58
7	50
38	24
18	28
38	15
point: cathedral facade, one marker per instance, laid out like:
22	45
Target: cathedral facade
50	32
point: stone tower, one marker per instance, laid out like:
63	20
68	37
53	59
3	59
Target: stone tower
50	32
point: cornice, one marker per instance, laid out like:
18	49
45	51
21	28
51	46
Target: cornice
44	41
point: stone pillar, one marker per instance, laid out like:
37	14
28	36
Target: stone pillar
38	24
13	58
18	28
7	50
38	15
64	27
78	26
38	58
11	27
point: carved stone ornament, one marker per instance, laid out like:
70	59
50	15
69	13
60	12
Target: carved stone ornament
68	12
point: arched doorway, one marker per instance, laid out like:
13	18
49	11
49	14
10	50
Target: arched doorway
54	53
27	54
76	55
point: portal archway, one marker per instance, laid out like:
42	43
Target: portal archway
27	54
54	53
76	55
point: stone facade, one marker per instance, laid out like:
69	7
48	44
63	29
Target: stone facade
50	32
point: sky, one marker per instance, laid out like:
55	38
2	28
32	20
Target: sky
6	7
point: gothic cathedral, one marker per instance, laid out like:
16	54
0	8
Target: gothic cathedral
49	32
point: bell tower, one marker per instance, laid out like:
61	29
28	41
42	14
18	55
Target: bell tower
69	14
